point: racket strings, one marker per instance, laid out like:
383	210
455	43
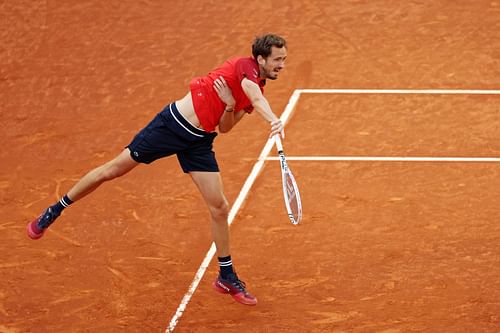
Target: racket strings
290	189
292	198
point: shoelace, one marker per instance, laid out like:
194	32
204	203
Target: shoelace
240	285
235	281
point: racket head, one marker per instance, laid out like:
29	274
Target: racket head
291	195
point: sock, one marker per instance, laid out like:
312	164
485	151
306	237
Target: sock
61	204
226	266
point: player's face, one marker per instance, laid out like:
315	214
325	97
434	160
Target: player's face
273	64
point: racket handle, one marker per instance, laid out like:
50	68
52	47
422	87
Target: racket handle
279	146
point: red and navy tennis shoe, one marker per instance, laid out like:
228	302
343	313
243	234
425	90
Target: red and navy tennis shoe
37	227
236	288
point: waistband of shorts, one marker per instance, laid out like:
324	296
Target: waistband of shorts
184	123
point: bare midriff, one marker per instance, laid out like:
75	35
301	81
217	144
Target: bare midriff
186	109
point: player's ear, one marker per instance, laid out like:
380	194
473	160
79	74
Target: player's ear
261	60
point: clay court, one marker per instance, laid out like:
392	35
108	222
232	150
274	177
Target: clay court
385	246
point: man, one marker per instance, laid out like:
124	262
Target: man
187	128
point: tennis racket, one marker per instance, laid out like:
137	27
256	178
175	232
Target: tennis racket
290	189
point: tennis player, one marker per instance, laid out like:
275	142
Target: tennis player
187	129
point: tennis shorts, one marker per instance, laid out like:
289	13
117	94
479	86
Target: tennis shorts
170	133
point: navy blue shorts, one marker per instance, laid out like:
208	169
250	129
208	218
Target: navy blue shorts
170	133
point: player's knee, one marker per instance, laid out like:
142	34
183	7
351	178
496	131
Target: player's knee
220	209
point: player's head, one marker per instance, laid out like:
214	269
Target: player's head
270	52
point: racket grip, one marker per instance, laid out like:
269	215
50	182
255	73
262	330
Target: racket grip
279	146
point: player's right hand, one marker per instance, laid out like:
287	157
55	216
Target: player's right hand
277	127
224	92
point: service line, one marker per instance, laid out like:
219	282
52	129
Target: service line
388	159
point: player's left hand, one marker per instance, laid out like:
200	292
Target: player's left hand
224	92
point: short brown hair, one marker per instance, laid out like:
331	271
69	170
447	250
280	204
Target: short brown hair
263	44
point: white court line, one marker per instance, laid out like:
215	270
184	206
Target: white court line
388	159
232	213
401	91
263	157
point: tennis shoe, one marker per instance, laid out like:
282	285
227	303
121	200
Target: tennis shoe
37	227
235	287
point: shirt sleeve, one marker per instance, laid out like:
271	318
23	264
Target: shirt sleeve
247	68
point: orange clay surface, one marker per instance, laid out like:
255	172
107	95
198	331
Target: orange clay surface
385	247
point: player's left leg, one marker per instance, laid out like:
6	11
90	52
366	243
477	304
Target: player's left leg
211	188
117	167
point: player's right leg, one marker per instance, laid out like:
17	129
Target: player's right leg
117	167
210	186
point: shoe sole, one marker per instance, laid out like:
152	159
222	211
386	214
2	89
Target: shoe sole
243	301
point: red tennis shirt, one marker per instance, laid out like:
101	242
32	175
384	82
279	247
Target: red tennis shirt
207	104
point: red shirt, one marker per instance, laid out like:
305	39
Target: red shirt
207	104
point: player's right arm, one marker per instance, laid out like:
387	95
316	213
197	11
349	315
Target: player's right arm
261	105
